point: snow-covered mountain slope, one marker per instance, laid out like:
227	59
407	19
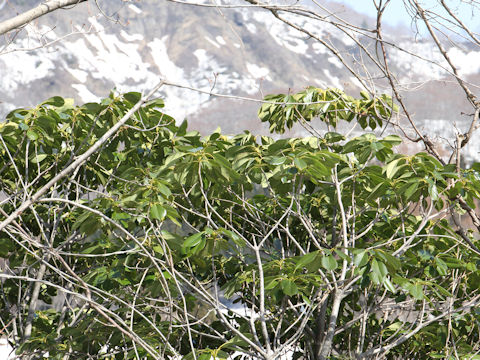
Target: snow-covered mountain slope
239	52
232	51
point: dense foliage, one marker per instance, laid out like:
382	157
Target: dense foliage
165	243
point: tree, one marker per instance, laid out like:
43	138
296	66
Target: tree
153	241
164	244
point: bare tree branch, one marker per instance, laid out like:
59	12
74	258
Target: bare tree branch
35	13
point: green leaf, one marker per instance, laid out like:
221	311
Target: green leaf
155	103
365	95
289	288
360	259
333	137
56	101
411	190
441	267
379	271
300	163
271	285
388	260
164	189
277	160
157	212
32	135
306	259
39	158
433	191
329	262
133	97
193	240
416	290
441	290
6	245
389	286
393	139
342	255
391	168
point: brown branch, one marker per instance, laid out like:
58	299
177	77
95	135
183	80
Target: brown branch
473	126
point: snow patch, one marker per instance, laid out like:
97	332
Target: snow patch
335	61
212	42
131	37
356	82
319	48
6	351
202	58
220	40
430	67
322	84
85	94
257	71
443	128
96	25
165	65
223	82
467	63
251	27
134	8
105	57
285	36
80	75
20	68
333	80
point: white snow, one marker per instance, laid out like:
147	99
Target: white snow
347	40
257	71
21	68
335	61
96	25
432	65
107	58
443	129
283	35
5	350
6	107
80	75
416	67
319	48
321	84
251	27
212	42
356	82
134	8
131	37
202	58
220	40
84	93
467	63
180	103
166	67
333	80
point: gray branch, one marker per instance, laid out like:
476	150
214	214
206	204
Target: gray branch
35	13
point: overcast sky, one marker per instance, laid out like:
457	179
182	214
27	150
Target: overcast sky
396	14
